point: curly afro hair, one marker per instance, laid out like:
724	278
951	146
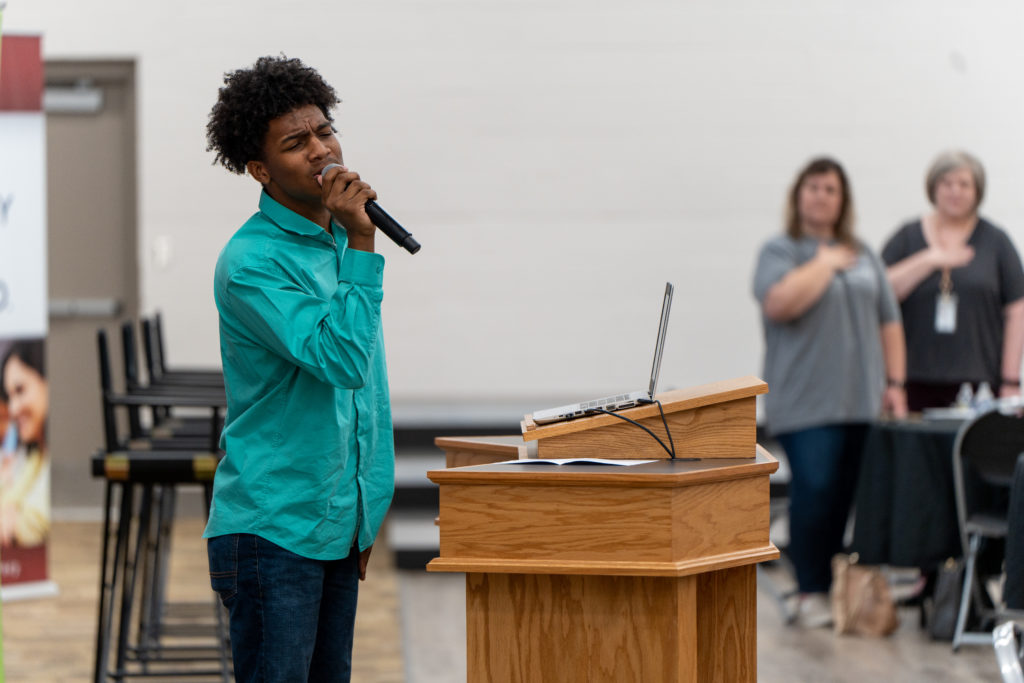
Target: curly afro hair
251	98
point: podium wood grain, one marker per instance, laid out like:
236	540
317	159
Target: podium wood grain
597	629
717	420
723	430
653	529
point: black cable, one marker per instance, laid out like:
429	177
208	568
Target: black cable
671	452
667	430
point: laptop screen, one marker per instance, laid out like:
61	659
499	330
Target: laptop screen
659	347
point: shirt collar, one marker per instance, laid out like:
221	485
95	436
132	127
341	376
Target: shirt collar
288	220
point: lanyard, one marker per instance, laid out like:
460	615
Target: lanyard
946	283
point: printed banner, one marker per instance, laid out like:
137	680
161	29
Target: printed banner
24	391
24	465
2	5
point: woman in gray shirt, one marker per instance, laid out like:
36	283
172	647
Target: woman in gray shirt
834	358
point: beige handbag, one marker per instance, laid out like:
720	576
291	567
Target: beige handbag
861	601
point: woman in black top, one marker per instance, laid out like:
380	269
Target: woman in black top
961	290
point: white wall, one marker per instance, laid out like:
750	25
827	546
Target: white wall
542	150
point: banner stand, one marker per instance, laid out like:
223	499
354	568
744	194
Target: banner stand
29	591
25	460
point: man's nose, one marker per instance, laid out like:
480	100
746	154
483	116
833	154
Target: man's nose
318	148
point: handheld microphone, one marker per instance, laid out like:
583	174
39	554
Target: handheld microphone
385	223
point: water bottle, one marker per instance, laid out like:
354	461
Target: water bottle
984	400
965	397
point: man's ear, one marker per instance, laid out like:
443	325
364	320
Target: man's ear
258	170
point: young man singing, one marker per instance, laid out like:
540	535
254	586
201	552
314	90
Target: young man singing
308	471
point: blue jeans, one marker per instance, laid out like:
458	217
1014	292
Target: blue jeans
292	618
824	462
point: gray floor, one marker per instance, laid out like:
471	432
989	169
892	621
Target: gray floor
434	637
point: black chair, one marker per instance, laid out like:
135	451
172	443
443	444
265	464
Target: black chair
986	451
165	430
156	364
159	373
136	547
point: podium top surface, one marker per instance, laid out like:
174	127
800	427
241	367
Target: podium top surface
660	473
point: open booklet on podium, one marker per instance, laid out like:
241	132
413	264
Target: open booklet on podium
577	461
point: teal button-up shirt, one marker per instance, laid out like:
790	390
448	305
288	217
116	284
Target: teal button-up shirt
309	454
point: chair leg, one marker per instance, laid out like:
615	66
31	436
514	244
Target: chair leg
974	544
108	587
144	645
161	560
153	575
131	574
108	603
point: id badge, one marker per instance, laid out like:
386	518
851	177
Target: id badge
945	313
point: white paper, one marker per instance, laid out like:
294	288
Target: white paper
574	461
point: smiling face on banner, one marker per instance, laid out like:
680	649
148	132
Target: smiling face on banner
27	399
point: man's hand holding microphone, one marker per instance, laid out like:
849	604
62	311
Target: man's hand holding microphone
351	202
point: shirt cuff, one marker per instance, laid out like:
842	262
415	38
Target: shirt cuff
361	268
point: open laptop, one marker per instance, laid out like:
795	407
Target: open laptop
620	401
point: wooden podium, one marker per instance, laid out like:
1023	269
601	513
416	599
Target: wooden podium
596	573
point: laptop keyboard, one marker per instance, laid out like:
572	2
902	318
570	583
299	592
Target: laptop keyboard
609	403
603	402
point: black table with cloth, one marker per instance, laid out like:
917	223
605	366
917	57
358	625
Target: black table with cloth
905	507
